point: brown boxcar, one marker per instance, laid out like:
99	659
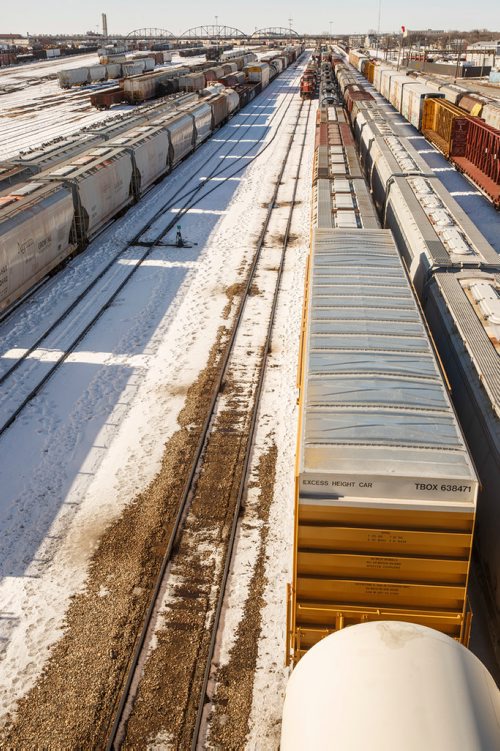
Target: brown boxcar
104	99
219	110
355	93
438	123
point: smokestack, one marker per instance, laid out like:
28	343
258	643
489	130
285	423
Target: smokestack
104	26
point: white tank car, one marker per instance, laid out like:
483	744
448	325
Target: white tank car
390	686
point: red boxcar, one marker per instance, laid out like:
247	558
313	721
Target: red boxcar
477	153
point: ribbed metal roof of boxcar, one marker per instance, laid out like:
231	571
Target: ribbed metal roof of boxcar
372	382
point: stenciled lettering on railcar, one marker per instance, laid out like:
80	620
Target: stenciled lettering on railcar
25	246
45	243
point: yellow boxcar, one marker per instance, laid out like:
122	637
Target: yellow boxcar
370	71
442	122
385	488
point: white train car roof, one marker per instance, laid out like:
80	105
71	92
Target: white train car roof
390	686
451	236
377	424
472	300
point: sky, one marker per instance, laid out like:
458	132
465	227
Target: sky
347	17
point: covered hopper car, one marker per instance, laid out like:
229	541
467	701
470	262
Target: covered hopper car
55	200
37	233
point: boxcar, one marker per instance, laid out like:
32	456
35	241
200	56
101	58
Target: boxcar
385	488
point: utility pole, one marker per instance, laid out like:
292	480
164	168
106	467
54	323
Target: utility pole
378	24
458	60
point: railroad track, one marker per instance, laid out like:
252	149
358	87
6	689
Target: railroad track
210	506
164	207
26	376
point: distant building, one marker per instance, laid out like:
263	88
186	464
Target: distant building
357	40
14	40
427	32
484	53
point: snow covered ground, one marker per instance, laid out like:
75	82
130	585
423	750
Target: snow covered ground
34	109
94	437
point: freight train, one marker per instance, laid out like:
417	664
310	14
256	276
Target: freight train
139	81
390	686
463	124
58	199
386	490
243	69
457	276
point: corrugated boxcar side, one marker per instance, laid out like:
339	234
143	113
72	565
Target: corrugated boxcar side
476	151
437	122
412	105
219	110
396	88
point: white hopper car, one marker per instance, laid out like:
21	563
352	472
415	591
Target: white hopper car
107	174
430	228
37	234
101	181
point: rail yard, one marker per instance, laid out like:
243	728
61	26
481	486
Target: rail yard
250	401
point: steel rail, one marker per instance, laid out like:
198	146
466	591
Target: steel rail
246	463
115	735
134	242
164	207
